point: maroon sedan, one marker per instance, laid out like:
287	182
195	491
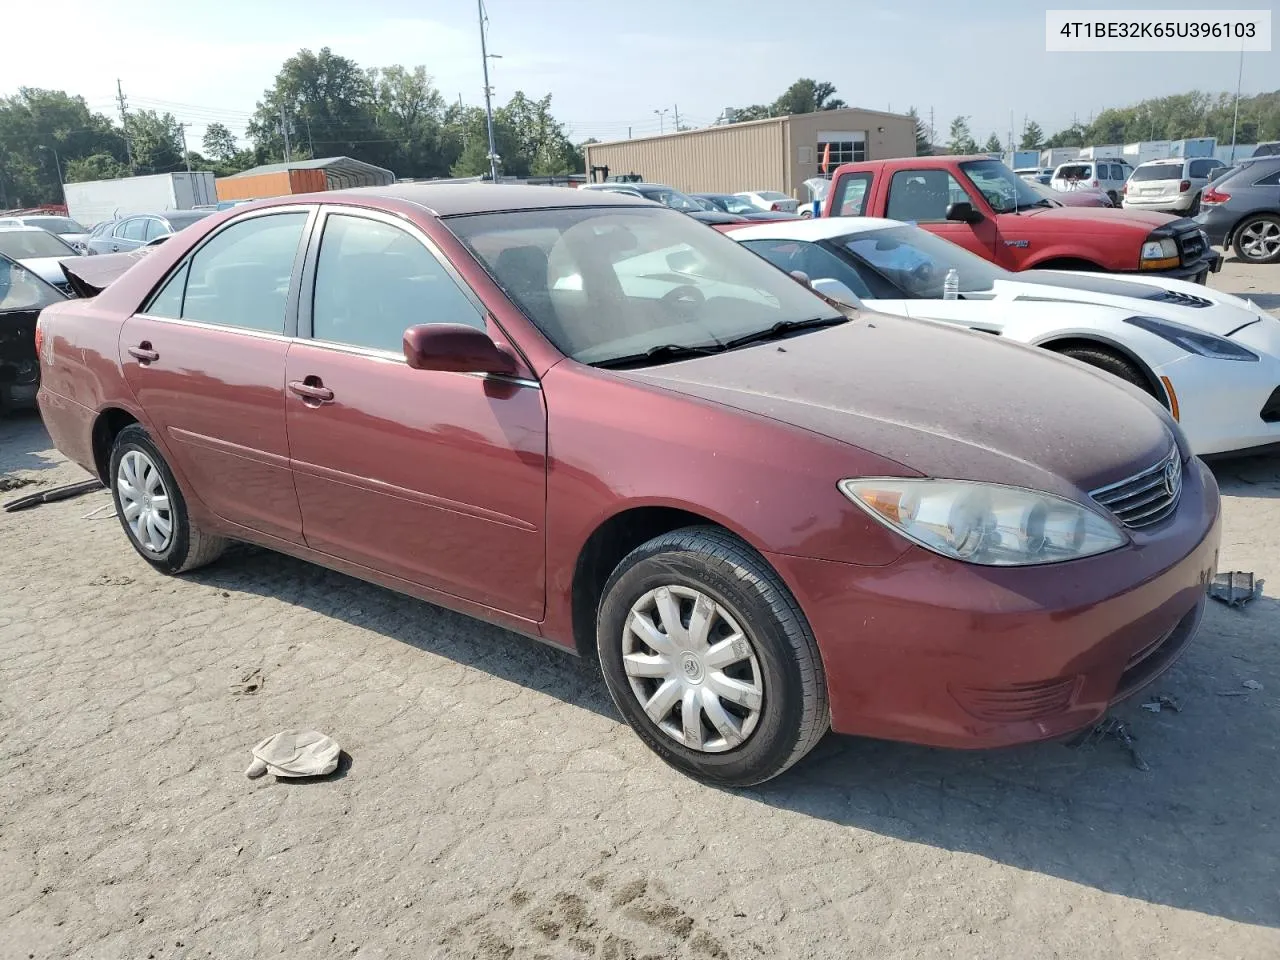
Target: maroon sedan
594	421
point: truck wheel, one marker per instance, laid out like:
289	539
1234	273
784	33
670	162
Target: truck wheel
1112	363
1257	240
710	659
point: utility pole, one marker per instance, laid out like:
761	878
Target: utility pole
931	135
488	101
1236	115
284	132
662	116
124	124
311	144
628	133
186	156
677	110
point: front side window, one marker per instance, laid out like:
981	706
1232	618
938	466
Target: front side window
1005	192
133	229
923	195
374	281
812	260
240	278
604	283
917	262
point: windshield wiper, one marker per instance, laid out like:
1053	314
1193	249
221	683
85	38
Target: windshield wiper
660	354
782	328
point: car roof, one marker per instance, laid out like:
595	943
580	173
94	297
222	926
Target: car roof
1152	163
818	228
460	199
22	228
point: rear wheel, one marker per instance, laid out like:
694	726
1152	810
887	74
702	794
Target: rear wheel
1257	240
151	508
1195	206
1111	362
710	659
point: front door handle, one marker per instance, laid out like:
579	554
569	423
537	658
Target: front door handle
311	390
143	353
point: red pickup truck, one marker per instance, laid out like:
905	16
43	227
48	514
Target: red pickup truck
980	204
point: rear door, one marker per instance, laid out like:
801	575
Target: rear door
206	361
431	477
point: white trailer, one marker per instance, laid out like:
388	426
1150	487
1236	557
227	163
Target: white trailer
1136	153
97	200
1053	156
1110	151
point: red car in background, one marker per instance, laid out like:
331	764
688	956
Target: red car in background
592	420
982	205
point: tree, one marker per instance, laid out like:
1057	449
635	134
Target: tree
1032	137
807	96
410	112
219	143
993	144
961	140
924	145
325	103
757	111
156	140
99	166
1073	136
35	123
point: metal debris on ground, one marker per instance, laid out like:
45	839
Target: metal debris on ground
295	753
1157	703
1113	728
249	684
8	483
51	496
1251	685
1235	588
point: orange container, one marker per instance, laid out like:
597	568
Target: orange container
277	183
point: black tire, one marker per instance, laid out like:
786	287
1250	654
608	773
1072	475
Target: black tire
1195	206
188	547
1112	363
1265	218
1114	198
794	712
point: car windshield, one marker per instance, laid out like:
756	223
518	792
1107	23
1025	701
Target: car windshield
605	283
185	218
671	198
20	289
58	225
1158	171
1004	190
917	261
739	205
33	244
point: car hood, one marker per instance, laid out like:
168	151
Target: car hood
1212	311
1140	221
940	402
48	269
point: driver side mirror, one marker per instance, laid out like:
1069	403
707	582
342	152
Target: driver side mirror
834	289
455	347
963	212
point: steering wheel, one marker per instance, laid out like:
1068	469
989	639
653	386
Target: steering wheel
922	273
685	295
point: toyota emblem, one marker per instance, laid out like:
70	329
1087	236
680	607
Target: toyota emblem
1173	476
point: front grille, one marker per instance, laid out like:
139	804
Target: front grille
1270	412
1181	299
1147	498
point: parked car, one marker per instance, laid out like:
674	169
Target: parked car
1212	359
978	203
1242	210
1269	149
1106	175
23	294
38	251
580	416
1083	197
64	227
1173	186
1040	175
770	200
129	233
668	197
732	203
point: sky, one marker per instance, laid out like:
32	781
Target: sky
609	65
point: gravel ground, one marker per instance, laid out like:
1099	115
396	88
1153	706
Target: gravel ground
495	807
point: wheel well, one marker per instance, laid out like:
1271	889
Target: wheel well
1154	386
1066	263
604	550
105	430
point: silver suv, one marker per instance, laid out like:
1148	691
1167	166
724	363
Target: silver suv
1173	186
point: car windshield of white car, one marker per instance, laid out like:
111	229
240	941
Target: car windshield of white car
609	282
917	262
33	245
1006	192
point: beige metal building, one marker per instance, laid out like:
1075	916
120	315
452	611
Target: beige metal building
775	154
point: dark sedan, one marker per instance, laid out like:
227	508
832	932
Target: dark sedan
729	203
1242	210
23	294
129	233
591	420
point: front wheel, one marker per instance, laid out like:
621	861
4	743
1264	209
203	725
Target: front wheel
710	659
1257	240
151	508
1112	363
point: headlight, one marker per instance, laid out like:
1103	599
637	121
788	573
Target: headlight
1159	253
1193	340
986	523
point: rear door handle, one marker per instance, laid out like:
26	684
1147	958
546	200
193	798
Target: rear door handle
143	353
314	392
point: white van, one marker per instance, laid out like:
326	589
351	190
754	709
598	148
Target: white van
1107	174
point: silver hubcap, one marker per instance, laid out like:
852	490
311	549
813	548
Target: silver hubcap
692	669
1261	240
144	502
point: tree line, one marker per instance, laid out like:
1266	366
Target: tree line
326	104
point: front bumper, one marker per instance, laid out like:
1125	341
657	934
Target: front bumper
1179	203
936	652
1196	272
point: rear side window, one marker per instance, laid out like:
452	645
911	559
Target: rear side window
240	278
133	229
1270	180
851	195
374	281
155	228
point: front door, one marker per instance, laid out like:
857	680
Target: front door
435	478
205	360
921	197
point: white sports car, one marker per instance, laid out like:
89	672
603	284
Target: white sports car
1211	358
